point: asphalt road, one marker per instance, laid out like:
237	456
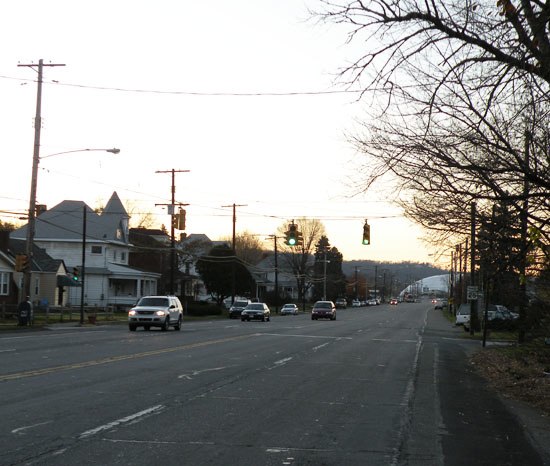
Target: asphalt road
384	385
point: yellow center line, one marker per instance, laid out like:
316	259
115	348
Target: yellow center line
111	359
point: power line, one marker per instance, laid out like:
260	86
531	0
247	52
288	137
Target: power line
196	93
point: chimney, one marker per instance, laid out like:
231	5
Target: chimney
4	240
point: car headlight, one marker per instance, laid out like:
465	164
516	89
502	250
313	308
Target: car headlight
131	312
160	313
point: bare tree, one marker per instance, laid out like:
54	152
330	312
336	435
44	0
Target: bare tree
299	258
248	247
461	90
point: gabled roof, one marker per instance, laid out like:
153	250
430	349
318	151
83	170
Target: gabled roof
41	261
65	222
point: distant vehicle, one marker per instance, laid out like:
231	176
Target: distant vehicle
372	302
289	309
356	303
256	311
156	311
393	301
439	303
238	307
323	310
462	314
341	303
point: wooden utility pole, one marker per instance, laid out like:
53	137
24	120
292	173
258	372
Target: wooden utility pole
171	211
31	225
233	247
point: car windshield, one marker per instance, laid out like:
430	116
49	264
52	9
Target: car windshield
255	307
323	305
240	304
160	302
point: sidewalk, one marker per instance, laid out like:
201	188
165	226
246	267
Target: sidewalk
535	425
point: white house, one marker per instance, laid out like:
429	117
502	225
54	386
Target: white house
96	247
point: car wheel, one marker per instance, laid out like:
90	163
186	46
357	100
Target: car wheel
268	318
242	319
178	325
312	318
132	328
166	325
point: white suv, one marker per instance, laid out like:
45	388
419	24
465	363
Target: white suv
156	311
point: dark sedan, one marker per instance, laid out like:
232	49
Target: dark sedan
323	310
256	311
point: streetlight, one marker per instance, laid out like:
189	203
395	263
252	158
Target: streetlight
32	209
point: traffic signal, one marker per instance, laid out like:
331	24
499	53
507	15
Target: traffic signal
21	262
291	235
299	239
366	233
181	220
76	274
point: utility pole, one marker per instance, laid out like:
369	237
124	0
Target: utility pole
275	262
474	321
83	270
171	211
31	226
524	241
233	248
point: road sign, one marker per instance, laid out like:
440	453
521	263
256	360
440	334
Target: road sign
472	293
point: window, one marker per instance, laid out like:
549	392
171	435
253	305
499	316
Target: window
97	250
4	283
123	257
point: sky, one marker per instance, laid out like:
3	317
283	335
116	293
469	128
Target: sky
241	98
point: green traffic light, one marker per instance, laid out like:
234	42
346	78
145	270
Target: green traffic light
292	241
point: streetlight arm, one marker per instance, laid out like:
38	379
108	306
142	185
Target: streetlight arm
114	150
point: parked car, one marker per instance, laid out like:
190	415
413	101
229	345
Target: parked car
238	307
256	311
341	303
439	303
289	309
462	314
393	301
356	303
323	310
372	302
156	311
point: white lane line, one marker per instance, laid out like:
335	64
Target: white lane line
20	430
279	363
7	350
319	347
301	336
188	376
153	410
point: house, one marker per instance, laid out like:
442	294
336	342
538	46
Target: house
49	279
190	249
266	274
95	246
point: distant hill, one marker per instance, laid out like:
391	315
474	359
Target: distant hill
402	273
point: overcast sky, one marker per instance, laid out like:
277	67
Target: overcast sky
240	93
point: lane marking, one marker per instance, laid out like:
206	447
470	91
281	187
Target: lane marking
315	348
21	429
302	336
279	363
132	417
111	359
188	376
